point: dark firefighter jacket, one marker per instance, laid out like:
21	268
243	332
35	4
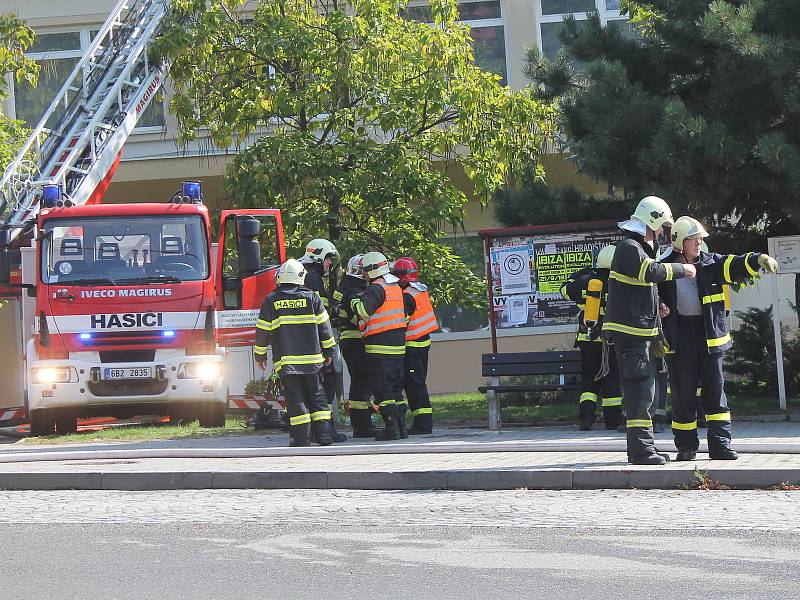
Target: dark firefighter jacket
346	320
575	288
391	341
315	281
713	271
632	305
296	325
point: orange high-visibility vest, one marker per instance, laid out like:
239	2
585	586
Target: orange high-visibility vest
390	315
423	321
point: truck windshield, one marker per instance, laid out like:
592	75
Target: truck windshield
124	250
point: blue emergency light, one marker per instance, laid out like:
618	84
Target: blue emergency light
51	195
191	190
168	334
86	336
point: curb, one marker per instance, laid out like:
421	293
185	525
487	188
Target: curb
453	480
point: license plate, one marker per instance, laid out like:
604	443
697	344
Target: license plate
128	373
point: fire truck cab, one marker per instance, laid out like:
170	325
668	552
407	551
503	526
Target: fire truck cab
129	310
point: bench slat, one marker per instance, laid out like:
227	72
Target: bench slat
570	368
530	388
531	357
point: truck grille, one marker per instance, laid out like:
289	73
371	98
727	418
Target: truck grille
145	387
128	338
132	356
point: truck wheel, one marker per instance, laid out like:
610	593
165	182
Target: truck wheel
66	423
42	423
212	415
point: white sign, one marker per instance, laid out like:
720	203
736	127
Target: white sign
515	270
517	310
787	252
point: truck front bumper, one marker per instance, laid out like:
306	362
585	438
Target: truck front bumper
77	383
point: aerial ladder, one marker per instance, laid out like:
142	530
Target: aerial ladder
77	143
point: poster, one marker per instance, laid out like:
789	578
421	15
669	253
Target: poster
788	254
530	295
515	269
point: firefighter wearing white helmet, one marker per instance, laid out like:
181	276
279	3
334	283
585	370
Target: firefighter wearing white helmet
382	315
294	322
632	320
319	257
697	336
351	342
598	385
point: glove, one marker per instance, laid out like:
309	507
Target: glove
768	264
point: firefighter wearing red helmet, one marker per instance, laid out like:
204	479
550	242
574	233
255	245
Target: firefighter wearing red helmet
421	323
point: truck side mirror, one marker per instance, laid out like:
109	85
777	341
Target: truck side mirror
247	229
5	257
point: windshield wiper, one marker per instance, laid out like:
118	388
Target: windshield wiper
150	279
90	281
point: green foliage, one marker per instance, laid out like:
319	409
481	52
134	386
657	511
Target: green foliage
358	116
15	37
752	356
703	109
535	203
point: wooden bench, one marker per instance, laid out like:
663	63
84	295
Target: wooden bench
564	363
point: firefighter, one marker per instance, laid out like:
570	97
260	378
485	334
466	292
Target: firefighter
421	323
598	384
696	332
351	342
632	320
382	316
296	325
318	259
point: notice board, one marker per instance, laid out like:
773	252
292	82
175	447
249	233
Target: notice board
527	272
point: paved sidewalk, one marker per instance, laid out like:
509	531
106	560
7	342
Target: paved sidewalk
454	459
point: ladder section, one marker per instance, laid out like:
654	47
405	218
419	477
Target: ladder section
79	137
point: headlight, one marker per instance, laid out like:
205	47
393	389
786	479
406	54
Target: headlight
203	370
50	374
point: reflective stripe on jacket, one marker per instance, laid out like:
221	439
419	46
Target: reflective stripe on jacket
382	318
714	271
294	322
632	305
423	320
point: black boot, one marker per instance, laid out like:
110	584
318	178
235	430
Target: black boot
685	455
390	429
300	435
723	454
402	409
422	425
648	459
613	417
322	432
586	410
361	420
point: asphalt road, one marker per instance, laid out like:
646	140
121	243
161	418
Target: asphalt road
397	545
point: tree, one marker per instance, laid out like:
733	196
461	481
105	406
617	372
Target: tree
703	108
359	115
535	203
15	38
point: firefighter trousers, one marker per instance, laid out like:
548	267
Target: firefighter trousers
638	369
416	387
356	359
606	390
692	367
307	407
385	382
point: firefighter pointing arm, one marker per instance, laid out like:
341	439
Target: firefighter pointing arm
696	331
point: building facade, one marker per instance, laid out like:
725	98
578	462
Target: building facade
152	165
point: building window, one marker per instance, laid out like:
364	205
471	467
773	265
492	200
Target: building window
551	20
455	318
487	28
58	53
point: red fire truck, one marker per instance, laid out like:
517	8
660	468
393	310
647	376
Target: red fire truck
120	309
